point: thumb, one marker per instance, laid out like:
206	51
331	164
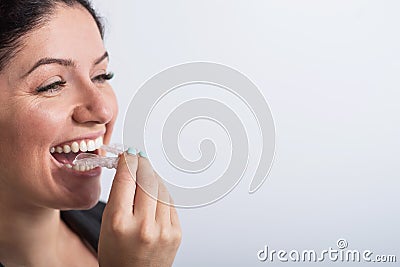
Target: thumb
123	187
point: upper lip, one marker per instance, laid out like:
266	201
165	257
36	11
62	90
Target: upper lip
90	136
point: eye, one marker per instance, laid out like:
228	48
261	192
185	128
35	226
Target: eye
52	86
102	78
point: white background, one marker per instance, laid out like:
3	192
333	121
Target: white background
330	73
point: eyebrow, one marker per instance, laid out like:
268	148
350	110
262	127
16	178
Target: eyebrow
62	62
100	59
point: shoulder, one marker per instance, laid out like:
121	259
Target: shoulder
93	214
85	223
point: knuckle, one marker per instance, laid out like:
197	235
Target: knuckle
177	236
117	225
170	236
165	236
148	234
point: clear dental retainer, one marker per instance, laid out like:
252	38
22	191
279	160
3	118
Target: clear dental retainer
94	160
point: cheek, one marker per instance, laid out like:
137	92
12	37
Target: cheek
27	132
39	124
113	102
110	96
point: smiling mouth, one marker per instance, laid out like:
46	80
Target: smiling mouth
67	152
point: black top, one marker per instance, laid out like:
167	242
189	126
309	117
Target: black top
85	223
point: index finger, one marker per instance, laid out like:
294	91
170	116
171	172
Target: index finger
123	187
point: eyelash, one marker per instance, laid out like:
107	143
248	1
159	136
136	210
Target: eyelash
53	87
104	77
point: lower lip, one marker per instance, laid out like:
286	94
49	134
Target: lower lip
90	173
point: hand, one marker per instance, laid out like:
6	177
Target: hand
138	230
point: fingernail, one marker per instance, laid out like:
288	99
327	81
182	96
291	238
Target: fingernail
143	154
132	151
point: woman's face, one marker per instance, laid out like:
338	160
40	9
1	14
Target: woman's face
54	92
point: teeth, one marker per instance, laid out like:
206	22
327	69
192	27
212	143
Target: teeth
81	168
75	147
67	149
99	142
83	146
91	145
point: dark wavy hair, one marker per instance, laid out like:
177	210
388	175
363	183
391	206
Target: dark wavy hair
19	17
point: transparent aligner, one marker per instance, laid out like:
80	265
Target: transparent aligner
115	149
93	160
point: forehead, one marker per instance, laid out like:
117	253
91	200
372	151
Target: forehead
71	32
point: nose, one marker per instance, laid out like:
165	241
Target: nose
93	106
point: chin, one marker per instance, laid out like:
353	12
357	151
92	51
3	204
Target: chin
83	200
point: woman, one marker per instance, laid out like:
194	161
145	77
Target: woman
55	100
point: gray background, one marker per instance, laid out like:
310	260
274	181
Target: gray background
330	73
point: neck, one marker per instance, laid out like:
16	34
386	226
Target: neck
29	235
